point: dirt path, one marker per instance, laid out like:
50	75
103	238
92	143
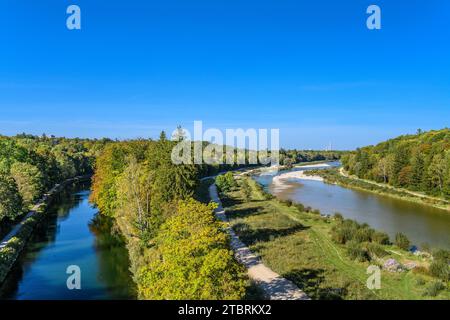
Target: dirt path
274	286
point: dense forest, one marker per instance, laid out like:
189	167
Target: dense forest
291	157
177	248
419	162
31	165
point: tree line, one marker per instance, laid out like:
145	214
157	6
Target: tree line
31	165
177	249
291	157
419	162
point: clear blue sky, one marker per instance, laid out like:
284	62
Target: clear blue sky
310	68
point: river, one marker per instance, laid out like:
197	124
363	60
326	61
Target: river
421	223
74	233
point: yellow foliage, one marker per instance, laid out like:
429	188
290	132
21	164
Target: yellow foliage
195	261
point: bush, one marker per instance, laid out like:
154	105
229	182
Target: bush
440	269
241	228
380	238
338	217
402	241
376	250
357	252
420	281
225	182
300	207
442	255
345	231
287	202
434	288
316	211
341	234
363	234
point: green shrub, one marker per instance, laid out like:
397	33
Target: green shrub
287	202
345	231
357	252
434	288
442	255
341	234
338	217
241	228
363	234
300	207
402	241
380	238
420	281
376	250
225	182
351	224
440	269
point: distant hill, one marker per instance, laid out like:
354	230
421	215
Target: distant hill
419	162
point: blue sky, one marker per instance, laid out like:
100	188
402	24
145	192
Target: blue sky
310	68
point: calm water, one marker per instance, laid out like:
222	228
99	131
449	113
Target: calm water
421	223
73	234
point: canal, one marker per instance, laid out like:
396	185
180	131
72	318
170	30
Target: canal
73	234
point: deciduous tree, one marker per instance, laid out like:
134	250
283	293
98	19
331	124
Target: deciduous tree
195	261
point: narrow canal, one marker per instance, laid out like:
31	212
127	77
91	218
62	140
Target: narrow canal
73	234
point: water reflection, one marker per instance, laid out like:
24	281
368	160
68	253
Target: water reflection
72	234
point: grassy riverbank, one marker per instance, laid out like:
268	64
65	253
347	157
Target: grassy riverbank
335	177
299	246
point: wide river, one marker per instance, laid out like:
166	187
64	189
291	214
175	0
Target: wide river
421	223
73	234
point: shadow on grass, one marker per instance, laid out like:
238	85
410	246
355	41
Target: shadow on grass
311	281
242	213
250	236
228	202
255	292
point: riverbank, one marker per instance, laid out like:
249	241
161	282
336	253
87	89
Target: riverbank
14	242
274	286
284	181
280	179
338	176
298	245
271	169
